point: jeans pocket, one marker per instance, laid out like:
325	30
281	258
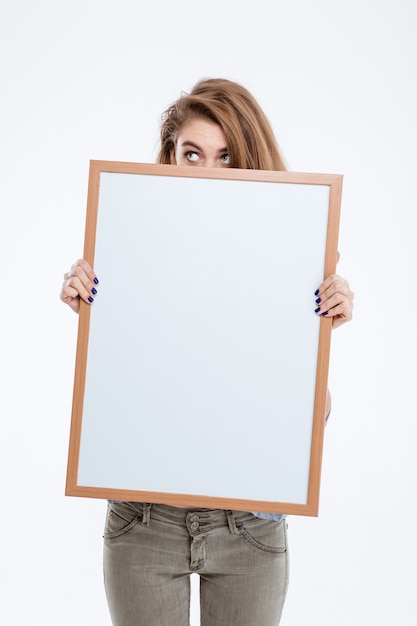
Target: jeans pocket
119	521
266	535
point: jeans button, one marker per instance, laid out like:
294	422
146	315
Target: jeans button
194	525
194	518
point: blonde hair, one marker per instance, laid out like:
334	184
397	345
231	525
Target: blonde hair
250	141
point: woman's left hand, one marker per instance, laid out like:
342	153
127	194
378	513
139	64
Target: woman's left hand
334	299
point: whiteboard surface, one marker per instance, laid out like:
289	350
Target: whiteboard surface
196	383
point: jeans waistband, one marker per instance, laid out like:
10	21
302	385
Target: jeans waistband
195	520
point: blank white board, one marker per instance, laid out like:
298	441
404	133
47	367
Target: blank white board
202	368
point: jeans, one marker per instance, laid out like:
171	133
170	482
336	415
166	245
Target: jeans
150	551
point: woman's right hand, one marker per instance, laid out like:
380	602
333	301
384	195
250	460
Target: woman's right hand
79	283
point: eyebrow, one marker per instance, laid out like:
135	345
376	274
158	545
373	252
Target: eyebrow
191	144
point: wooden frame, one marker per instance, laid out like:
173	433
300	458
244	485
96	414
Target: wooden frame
201	369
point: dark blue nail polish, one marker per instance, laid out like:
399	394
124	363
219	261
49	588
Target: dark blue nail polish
318	300
317	310
90	299
94	291
96	280
325	313
316	293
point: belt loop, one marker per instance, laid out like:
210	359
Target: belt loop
146	515
232	524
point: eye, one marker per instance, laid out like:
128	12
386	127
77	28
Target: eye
191	156
225	158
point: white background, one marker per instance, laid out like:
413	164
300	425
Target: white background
88	80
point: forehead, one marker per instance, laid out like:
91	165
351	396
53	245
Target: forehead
202	129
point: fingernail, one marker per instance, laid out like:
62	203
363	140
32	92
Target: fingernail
318	300
94	291
96	280
325	313
316	293
90	299
317	310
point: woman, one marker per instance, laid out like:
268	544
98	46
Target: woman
151	550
